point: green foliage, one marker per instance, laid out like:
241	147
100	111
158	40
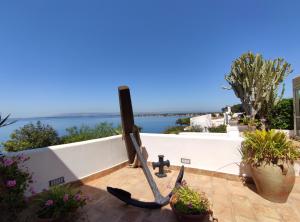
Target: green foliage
119	129
60	202
75	134
178	129
267	146
174	130
13	183
237	108
244	120
183	121
250	122
31	136
195	129
281	116
255	81
218	129
3	122
187	201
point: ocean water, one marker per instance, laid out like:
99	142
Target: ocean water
149	124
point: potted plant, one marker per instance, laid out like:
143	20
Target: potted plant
189	205
60	203
270	156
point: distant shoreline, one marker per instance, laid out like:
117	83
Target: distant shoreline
78	115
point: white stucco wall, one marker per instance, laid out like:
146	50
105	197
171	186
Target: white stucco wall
75	160
208	152
205	121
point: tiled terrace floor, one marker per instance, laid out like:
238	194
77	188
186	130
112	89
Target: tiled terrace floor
231	200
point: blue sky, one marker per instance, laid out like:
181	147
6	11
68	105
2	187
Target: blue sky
70	56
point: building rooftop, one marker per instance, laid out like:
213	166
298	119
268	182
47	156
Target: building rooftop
231	200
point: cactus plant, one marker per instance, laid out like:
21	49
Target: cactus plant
256	81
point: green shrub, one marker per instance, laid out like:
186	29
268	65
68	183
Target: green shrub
244	120
183	121
174	130
13	183
237	108
217	129
75	134
119	129
267	146
195	129
281	116
247	121
60	202
187	201
31	136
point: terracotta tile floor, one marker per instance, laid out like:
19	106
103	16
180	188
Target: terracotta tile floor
231	200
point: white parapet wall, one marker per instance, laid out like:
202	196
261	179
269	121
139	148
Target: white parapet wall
207	152
74	161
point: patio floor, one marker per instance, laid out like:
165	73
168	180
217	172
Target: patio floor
231	200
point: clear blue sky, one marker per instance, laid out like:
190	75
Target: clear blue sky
60	56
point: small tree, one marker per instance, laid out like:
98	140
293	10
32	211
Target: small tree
281	116
256	81
31	136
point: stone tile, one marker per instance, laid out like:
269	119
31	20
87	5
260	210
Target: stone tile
223	213
287	213
243	219
266	211
267	219
231	200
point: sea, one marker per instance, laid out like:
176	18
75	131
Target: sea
149	124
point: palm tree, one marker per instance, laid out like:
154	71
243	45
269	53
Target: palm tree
3	122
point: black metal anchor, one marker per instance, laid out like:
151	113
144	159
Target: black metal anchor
160	164
133	145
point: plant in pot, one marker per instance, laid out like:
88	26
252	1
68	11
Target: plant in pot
60	203
190	206
270	156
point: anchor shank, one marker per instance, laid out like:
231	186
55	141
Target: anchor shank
158	197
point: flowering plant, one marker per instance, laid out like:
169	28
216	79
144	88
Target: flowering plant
59	202
14	181
190	202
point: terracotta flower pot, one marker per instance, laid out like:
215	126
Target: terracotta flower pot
204	217
274	182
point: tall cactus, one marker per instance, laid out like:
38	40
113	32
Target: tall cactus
256	81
